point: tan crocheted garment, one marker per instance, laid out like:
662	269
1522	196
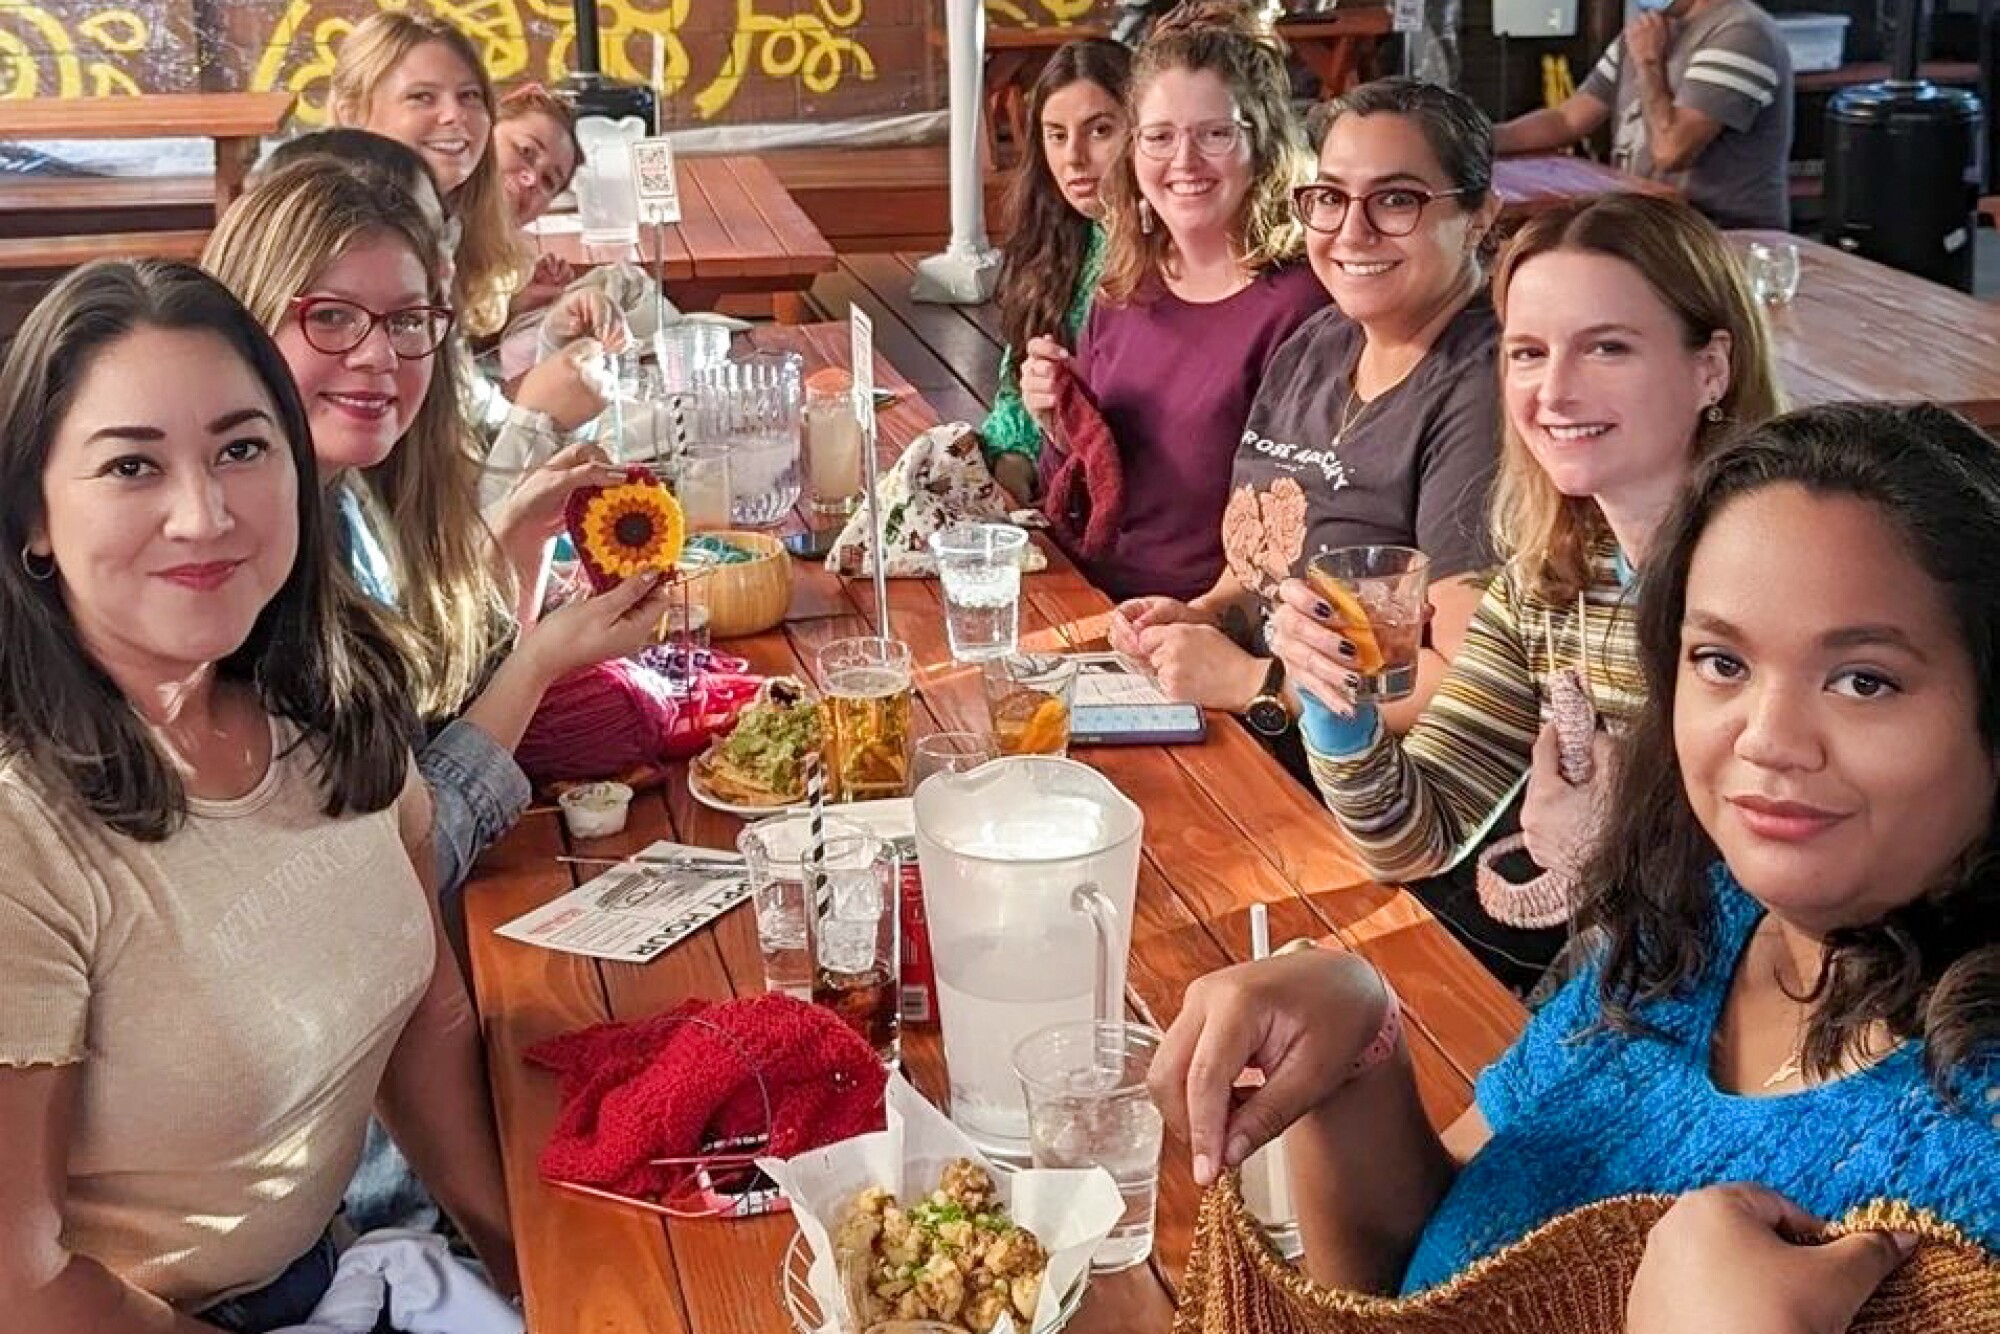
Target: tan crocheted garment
1569	1276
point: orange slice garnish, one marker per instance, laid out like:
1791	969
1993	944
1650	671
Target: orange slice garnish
1351	619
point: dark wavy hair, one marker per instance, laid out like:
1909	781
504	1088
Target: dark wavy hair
1928	969
315	656
1044	252
1458	132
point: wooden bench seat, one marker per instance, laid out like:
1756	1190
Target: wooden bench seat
19	254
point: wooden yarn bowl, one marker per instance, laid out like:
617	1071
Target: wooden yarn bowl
751	596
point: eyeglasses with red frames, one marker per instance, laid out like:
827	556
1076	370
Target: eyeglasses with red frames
334	325
1394	210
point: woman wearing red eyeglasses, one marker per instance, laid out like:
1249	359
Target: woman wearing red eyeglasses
344	271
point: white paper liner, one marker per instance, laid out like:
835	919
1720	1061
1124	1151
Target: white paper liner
1070	1212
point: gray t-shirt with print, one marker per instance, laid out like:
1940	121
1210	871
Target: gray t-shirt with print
1730	63
1413	469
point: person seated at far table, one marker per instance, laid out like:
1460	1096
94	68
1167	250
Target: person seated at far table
1378	421
1699	95
1795	905
220	944
1055	254
1629	348
1200	286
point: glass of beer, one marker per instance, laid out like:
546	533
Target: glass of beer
1028	700
1379	600
865	688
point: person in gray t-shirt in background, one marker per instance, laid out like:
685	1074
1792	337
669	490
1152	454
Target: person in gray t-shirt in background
1699	95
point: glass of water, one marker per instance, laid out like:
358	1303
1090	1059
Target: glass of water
1085	1085
777	854
857	972
699	476
979	565
1774	272
753	405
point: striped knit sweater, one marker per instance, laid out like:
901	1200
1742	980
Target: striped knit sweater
1413	807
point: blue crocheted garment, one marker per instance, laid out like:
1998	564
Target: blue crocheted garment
1579	1117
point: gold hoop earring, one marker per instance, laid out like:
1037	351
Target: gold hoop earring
40	573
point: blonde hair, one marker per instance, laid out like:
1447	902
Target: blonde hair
531	99
1223	38
269	248
1545	536
488	256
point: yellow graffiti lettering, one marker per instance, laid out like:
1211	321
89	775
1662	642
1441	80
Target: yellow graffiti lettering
1056	13
806	45
46	35
117	30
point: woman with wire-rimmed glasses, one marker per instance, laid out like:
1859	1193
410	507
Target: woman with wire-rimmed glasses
1377	421
1200	287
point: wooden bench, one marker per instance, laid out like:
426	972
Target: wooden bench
28	254
61	206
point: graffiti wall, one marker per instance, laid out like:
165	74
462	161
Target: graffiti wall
718	61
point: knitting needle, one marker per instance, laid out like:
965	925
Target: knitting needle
722	861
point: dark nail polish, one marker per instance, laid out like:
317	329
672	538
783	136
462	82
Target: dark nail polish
1322	610
1347	650
1353	682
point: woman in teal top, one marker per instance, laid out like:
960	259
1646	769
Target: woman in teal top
1797	905
1056	252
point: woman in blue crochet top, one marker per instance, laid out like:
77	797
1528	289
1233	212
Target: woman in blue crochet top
1797	904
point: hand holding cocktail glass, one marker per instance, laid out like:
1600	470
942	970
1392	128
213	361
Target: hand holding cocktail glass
1350	633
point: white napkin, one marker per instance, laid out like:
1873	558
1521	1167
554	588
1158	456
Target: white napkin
1070	1212
425	1289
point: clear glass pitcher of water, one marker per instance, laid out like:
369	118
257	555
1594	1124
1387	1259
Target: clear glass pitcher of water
754	405
1030	868
604	197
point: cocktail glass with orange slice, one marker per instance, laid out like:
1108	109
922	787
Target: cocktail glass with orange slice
1379	596
1028	701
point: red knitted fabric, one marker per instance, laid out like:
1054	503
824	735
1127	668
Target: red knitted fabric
1086	496
620	716
662	1088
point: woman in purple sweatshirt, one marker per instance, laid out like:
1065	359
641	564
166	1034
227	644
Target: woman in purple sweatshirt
1200	286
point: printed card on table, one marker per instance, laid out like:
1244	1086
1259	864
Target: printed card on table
656	181
861	351
637	911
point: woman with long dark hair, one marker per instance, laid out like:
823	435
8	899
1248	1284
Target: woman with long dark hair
1055	254
1797	904
221	949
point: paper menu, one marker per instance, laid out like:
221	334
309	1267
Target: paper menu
635	913
1114	681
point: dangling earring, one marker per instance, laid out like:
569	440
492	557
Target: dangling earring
1145	218
40	573
1713	414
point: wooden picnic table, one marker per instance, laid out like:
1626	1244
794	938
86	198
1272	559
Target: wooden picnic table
237	122
1862	330
1225	828
741	234
1338	47
1538	182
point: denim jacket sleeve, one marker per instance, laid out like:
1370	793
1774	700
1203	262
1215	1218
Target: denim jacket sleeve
478	792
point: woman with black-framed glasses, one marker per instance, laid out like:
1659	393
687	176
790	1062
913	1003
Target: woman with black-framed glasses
1377	421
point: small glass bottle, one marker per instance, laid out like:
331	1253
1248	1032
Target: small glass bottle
833	442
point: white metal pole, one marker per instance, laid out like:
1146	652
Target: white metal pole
965	274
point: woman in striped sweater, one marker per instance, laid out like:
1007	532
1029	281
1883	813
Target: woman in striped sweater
1630	346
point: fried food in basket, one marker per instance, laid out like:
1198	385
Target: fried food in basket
953	1256
762	762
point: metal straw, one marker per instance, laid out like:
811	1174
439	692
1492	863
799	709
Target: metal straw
871	469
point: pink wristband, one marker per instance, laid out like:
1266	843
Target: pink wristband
1383	1045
